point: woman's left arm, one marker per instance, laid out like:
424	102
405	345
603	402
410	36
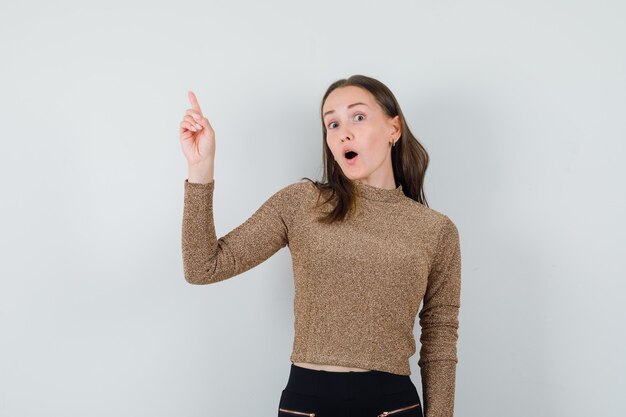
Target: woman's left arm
439	322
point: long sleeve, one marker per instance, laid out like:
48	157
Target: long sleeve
439	322
207	259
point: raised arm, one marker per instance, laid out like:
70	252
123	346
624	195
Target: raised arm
207	259
439	322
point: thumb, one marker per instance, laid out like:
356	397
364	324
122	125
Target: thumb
205	123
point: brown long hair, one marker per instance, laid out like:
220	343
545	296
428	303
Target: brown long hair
409	159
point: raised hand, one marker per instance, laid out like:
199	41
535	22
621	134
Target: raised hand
197	137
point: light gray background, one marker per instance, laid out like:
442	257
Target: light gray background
521	106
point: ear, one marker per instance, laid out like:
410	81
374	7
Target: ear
396	128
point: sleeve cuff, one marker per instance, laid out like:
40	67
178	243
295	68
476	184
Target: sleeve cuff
199	188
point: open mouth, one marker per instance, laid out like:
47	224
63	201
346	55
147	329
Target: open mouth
350	155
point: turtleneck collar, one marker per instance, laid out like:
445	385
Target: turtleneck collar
379	194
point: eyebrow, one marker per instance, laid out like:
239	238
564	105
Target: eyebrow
351	105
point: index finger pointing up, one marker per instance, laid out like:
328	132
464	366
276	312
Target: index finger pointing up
194	101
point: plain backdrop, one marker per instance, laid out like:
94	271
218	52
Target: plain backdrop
521	106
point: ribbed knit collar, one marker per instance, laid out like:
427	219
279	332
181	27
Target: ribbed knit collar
379	194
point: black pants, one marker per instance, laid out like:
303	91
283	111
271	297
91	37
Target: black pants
316	393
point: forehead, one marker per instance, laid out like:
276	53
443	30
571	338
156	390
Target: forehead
341	97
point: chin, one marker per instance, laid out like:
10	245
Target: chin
354	177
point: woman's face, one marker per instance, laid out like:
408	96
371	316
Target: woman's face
355	121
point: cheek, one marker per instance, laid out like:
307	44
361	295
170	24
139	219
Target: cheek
374	154
336	152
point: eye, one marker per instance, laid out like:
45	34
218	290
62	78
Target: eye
356	115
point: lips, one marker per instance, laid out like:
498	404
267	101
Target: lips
347	149
352	160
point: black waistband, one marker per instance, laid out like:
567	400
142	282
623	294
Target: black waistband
346	385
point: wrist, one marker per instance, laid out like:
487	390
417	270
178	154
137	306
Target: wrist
200	174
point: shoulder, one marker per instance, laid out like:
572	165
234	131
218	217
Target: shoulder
439	222
426	213
296	189
291	195
445	224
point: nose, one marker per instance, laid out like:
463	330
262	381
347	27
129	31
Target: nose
345	134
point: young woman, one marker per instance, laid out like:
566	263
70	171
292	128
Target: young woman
366	249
